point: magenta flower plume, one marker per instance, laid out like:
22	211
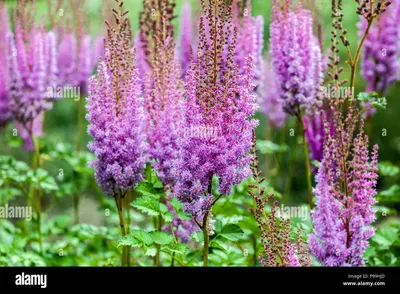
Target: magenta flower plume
32	68
165	112
217	133
342	219
141	59
185	38
116	116
5	114
77	59
271	102
296	55
250	39
380	60
314	124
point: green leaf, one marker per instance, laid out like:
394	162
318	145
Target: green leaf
219	244
147	189
386	168
148	172
162	238
390	195
129	241
151	252
144	237
168	217
48	184
218	226
178	248
268	147
147	204
176	204
198	237
184	216
385	237
231	232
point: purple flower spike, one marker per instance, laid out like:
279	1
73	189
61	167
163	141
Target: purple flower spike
116	116
296	56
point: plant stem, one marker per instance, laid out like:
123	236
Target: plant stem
292	163
354	62
128	230
118	202
306	160
159	227
37	164
78	148
75	200
206	240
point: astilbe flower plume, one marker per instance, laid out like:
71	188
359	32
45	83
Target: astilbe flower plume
116	115
150	24
315	131
216	102
278	249
270	100
296	55
250	39
380	59
78	51
164	99
5	114
185	38
32	68
345	193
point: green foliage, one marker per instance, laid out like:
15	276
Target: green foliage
373	99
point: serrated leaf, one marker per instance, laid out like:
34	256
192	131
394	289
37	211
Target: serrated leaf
268	147
147	204
218	226
162	238
390	195
219	244
144	237
168	217
385	237
386	168
231	232
129	241
151	252
198	237
163	208
176	204
184	216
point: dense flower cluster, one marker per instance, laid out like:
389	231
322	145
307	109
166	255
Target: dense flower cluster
380	61
32	69
78	51
315	131
215	101
342	217
296	56
116	114
271	102
185	38
250	39
5	114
